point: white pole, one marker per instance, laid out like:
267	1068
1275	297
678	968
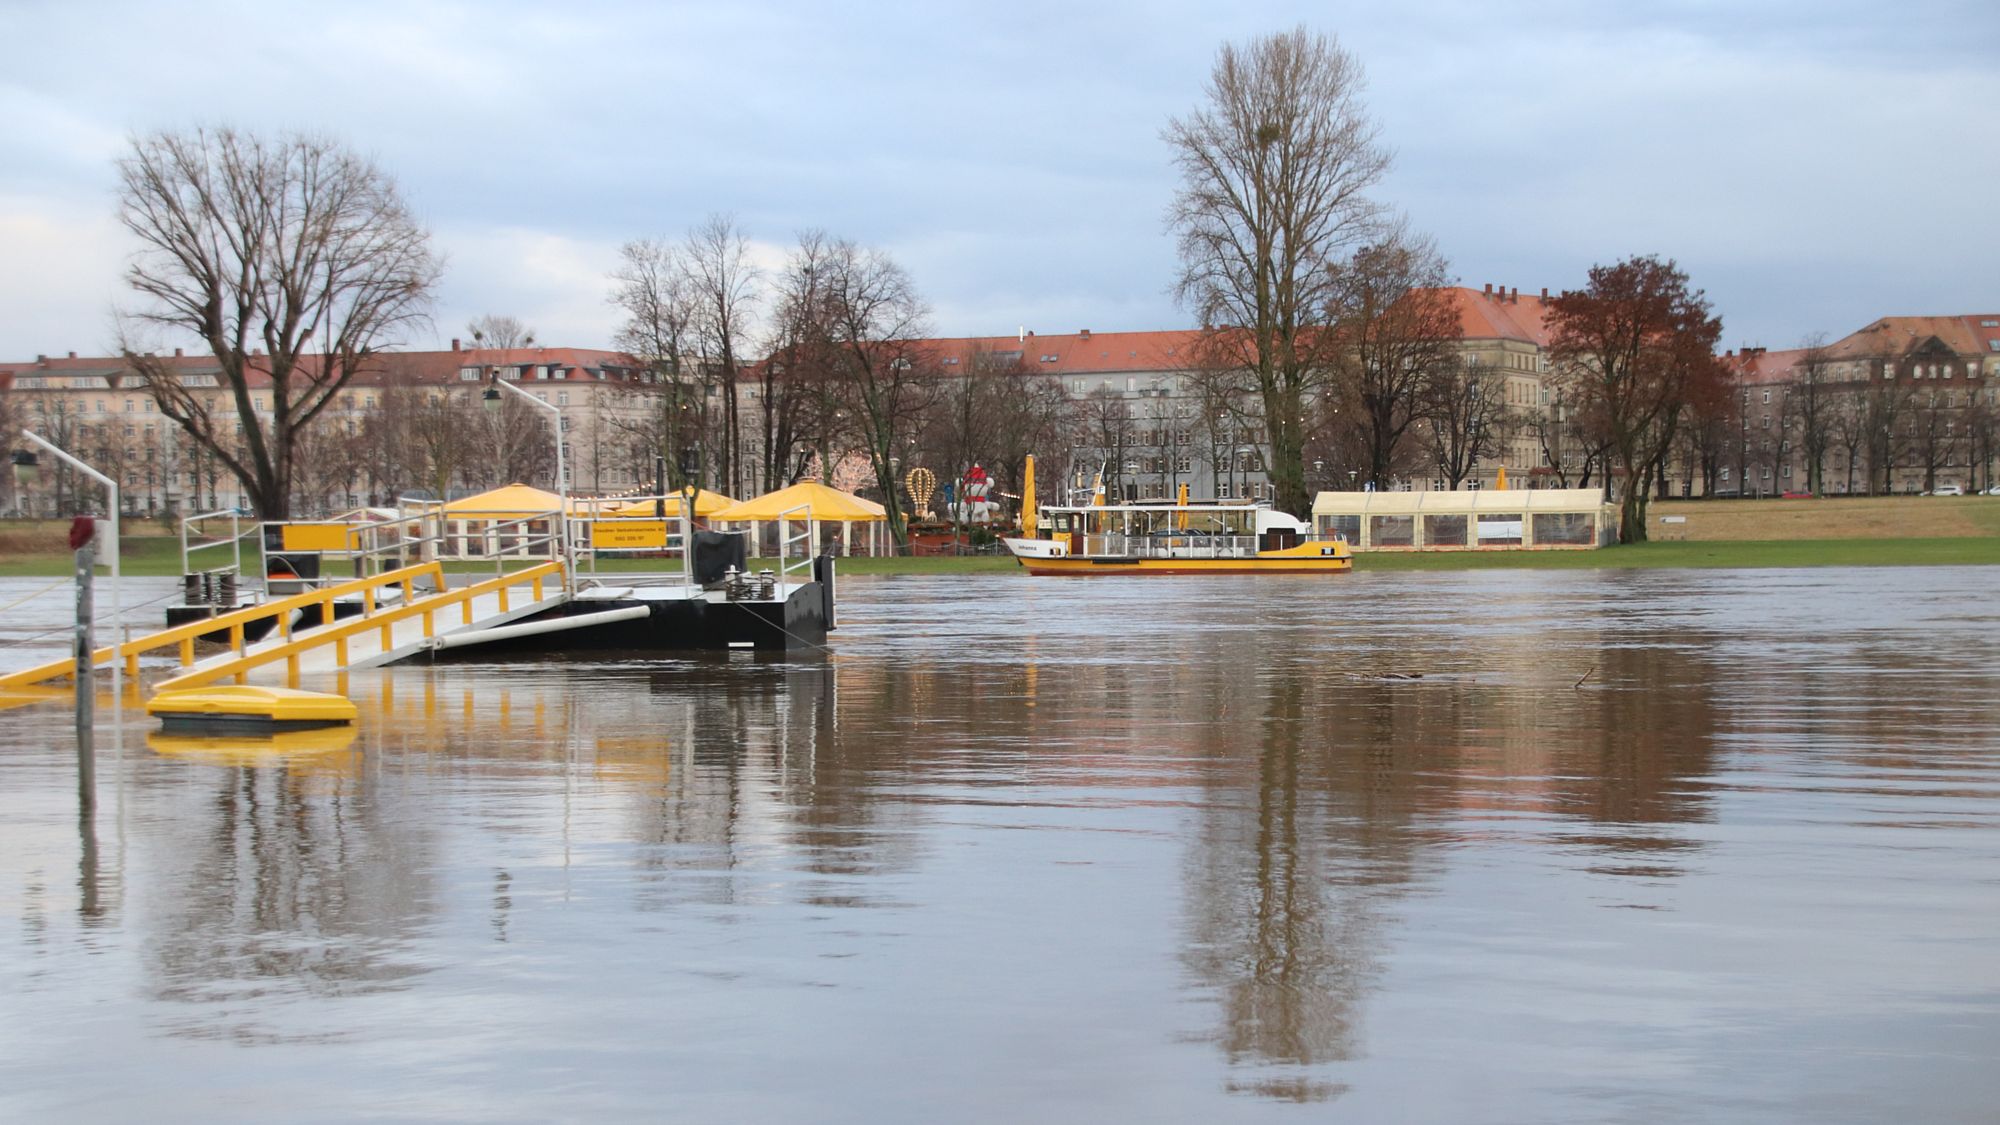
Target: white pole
562	480
117	605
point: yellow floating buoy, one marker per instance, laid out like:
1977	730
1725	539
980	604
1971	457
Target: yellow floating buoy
247	707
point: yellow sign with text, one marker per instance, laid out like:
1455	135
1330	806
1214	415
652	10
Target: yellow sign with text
315	537
628	535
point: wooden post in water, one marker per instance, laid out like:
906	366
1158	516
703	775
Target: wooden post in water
86	685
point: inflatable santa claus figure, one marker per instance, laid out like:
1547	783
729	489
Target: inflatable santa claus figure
978	508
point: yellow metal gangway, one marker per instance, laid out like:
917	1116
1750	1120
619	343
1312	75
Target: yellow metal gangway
385	630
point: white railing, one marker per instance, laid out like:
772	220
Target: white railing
808	541
235	540
1176	546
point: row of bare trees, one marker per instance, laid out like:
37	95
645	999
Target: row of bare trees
1820	432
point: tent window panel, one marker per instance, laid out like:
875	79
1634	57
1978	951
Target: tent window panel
1346	527
1567	529
1500	530
1392	531
1444	531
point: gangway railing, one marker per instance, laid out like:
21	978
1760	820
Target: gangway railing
182	637
235	540
383	619
809	537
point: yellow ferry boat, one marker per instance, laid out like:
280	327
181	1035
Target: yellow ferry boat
1170	537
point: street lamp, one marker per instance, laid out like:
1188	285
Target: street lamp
491	401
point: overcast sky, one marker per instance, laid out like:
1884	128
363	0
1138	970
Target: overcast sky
1812	164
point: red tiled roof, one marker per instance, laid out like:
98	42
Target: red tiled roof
1756	365
1502	315
1897	335
1078	353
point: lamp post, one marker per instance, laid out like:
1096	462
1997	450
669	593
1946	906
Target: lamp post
491	401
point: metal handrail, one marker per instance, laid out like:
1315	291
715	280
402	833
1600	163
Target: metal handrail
235	539
184	636
383	619
810	536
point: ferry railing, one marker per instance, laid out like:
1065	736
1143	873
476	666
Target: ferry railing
235	540
182	637
807	539
384	619
1179	545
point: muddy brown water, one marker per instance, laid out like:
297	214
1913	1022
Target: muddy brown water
1536	847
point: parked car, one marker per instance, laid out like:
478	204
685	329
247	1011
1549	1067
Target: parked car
1994	491
1948	490
1797	496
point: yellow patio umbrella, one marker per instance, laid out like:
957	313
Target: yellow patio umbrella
1028	498
706	504
1500	482
512	502
1181	501
824	504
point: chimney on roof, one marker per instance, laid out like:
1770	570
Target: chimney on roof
41	361
454	343
1545	292
177	353
1515	297
72	355
1085	333
1489	289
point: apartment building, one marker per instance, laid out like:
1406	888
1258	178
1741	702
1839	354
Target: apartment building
99	409
1906	404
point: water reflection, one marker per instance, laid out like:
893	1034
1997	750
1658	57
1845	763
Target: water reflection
300	880
1255	845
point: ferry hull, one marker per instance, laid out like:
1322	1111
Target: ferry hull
1086	565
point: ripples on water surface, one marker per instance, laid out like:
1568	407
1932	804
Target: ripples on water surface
1499	847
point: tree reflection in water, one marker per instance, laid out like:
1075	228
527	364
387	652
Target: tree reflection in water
1313	832
290	885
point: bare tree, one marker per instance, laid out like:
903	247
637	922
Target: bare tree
721	287
1847	429
1887	423
1105	426
1464	409
501	333
1712	429
794	380
883	378
1399	328
1937	432
1811	403
1636	341
293	260
1273	174
651	287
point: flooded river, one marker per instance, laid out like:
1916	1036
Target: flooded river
1522	847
